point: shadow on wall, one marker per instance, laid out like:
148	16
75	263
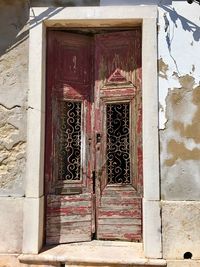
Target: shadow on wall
49	12
187	25
15	18
64	3
14	15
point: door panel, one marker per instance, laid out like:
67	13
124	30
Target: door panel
69	188
68	218
93	170
118	116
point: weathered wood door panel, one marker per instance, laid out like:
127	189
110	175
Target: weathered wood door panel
93	142
119	150
69	189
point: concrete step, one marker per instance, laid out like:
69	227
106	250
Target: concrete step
93	254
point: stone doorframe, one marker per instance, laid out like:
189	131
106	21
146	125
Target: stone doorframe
115	16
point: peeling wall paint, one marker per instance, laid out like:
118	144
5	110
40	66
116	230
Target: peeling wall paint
178	42
179	120
163	68
180	143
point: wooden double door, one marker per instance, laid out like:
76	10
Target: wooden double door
93	168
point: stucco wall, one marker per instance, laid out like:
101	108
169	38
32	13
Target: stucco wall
13	95
179	116
179	101
179	72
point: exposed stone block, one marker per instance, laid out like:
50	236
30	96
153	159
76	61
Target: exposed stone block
9	261
180	228
12	261
183	263
11	210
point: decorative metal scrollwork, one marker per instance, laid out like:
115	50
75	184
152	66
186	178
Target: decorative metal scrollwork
69	141
118	143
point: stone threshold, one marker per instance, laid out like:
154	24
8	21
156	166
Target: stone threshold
94	252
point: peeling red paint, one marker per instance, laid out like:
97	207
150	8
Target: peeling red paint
91	204
118	72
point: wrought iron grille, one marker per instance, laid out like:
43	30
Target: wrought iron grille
69	140
118	143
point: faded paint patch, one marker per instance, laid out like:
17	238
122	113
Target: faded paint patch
163	68
179	102
193	129
182	181
184	118
179	151
180	142
187	81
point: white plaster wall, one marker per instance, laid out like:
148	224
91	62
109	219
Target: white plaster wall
179	78
178	42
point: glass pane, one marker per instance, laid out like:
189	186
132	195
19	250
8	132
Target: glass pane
118	143
69	140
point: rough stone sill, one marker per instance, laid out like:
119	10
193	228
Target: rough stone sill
100	252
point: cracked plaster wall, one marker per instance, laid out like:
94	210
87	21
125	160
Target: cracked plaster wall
179	100
179	124
13	95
